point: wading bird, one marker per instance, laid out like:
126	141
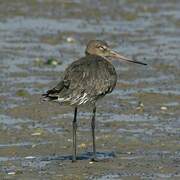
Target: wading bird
87	80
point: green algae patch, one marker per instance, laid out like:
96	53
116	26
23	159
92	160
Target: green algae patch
51	61
129	16
22	93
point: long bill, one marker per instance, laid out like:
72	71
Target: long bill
114	54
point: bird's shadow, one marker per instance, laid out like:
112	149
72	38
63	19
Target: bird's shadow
83	156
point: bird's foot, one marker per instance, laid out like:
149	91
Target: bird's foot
74	159
95	159
100	160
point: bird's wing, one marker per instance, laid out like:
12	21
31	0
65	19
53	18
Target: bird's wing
62	90
86	81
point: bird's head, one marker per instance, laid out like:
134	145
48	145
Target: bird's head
101	48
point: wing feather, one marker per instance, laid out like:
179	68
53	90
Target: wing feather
85	81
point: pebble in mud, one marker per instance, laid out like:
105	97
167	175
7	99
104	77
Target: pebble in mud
164	108
70	39
140	107
16	172
82	145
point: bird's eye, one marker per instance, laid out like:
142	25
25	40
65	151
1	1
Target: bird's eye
102	48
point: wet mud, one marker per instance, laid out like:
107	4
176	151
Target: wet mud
138	125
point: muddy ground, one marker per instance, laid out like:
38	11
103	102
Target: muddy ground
138	125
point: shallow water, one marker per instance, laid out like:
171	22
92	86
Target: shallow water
138	124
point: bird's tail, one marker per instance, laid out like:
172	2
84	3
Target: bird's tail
52	94
48	97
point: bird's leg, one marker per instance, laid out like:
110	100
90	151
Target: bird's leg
93	134
74	135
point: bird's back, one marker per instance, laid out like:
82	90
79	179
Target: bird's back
84	81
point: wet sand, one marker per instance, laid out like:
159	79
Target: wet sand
138	125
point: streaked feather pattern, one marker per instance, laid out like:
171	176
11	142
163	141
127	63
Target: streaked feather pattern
84	81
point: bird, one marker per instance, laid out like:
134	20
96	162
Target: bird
85	81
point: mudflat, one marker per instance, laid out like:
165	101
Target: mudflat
138	125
